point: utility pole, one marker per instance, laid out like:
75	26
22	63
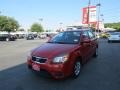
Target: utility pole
89	2
98	5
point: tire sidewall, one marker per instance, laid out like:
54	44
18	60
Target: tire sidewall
96	53
74	74
7	39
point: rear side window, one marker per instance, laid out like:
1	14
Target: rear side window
91	35
85	35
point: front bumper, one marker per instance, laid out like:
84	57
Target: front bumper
57	71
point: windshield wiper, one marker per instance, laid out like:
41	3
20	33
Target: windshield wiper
60	42
57	42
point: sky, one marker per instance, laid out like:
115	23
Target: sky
54	12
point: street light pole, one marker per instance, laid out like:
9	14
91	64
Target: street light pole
61	26
41	21
102	21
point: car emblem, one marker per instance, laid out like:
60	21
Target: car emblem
37	59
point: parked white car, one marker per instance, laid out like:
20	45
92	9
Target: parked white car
42	36
114	37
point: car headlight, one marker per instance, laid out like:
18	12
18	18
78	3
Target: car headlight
60	59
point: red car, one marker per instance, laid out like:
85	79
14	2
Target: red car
64	54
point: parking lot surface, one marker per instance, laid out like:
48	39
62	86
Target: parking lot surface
101	73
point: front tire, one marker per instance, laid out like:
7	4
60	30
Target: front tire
7	39
76	69
109	41
29	67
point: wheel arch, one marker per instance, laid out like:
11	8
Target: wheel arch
79	58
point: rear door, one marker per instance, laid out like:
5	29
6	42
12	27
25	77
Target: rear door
85	47
93	42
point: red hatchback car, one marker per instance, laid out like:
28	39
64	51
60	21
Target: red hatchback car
64	54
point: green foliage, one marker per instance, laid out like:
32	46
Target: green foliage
8	24
113	25
104	35
37	28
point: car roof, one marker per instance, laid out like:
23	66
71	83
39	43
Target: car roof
78	30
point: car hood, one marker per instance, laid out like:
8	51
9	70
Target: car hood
50	50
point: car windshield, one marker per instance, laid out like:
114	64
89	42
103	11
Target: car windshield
68	37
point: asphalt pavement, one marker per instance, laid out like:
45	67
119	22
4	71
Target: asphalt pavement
101	73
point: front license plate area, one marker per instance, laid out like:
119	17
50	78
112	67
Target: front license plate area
35	67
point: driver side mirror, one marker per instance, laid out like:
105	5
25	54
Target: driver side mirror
85	39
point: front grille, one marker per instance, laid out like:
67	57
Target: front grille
39	59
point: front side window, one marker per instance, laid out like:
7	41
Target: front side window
68	37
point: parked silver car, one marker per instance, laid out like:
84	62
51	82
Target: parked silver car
115	36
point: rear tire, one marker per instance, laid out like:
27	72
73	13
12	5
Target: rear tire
76	69
96	53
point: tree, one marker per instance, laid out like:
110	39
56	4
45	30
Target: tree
113	25
8	24
37	28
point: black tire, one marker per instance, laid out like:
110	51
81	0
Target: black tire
7	39
109	41
30	67
96	53
76	69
